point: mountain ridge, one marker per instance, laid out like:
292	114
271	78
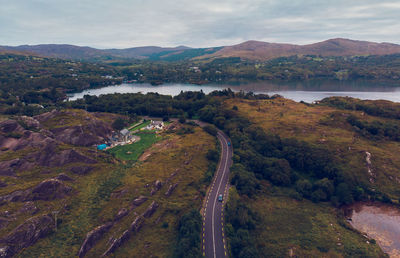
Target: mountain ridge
252	50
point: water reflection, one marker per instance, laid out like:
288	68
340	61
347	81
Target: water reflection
299	91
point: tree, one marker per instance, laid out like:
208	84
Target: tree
119	124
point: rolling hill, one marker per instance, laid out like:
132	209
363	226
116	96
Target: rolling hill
252	50
257	50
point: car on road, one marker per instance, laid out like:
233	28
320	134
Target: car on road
220	198
229	144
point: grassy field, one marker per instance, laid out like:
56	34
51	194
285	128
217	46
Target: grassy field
305	229
142	125
133	151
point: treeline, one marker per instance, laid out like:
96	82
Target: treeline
189	230
380	108
390	130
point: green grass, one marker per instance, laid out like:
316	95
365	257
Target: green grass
142	125
136	149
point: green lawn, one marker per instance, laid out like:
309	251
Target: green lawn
137	148
138	127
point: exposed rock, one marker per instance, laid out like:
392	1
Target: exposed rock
121	213
93	237
150	210
29	122
157	185
17	196
8	168
26	235
50	189
137	224
64	177
119	194
117	242
29	208
81	170
10	126
138	201
171	188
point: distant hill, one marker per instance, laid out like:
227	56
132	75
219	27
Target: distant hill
257	50
253	50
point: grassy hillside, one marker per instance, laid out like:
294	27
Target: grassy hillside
293	213
96	196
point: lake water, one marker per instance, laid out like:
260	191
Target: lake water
380	222
299	91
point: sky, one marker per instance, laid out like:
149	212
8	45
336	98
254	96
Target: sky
200	23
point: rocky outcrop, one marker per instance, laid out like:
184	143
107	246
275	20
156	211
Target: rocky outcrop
28	208
134	228
137	224
47	190
157	186
81	170
150	210
64	177
171	188
117	243
121	213
139	201
26	235
10	126
93	237
50	189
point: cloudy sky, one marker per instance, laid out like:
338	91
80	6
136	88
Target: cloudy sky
199	23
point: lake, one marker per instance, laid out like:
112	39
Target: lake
380	222
298	91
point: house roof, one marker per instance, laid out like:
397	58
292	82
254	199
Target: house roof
124	132
157	122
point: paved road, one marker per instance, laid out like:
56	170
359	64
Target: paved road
213	238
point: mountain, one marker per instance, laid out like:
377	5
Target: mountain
253	50
257	50
65	51
143	52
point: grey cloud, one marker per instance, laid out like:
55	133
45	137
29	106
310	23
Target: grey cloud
127	23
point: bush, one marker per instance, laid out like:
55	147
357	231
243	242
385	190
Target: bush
213	155
211	130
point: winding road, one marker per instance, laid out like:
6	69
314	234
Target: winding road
213	237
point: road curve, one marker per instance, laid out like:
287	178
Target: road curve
213	238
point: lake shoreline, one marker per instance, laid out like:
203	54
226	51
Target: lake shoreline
299	91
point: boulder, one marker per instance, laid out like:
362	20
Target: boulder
171	188
150	210
157	186
137	224
121	213
117	243
93	237
26	235
138	201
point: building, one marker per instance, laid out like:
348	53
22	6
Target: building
155	125
125	135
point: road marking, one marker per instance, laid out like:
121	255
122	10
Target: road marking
219	186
